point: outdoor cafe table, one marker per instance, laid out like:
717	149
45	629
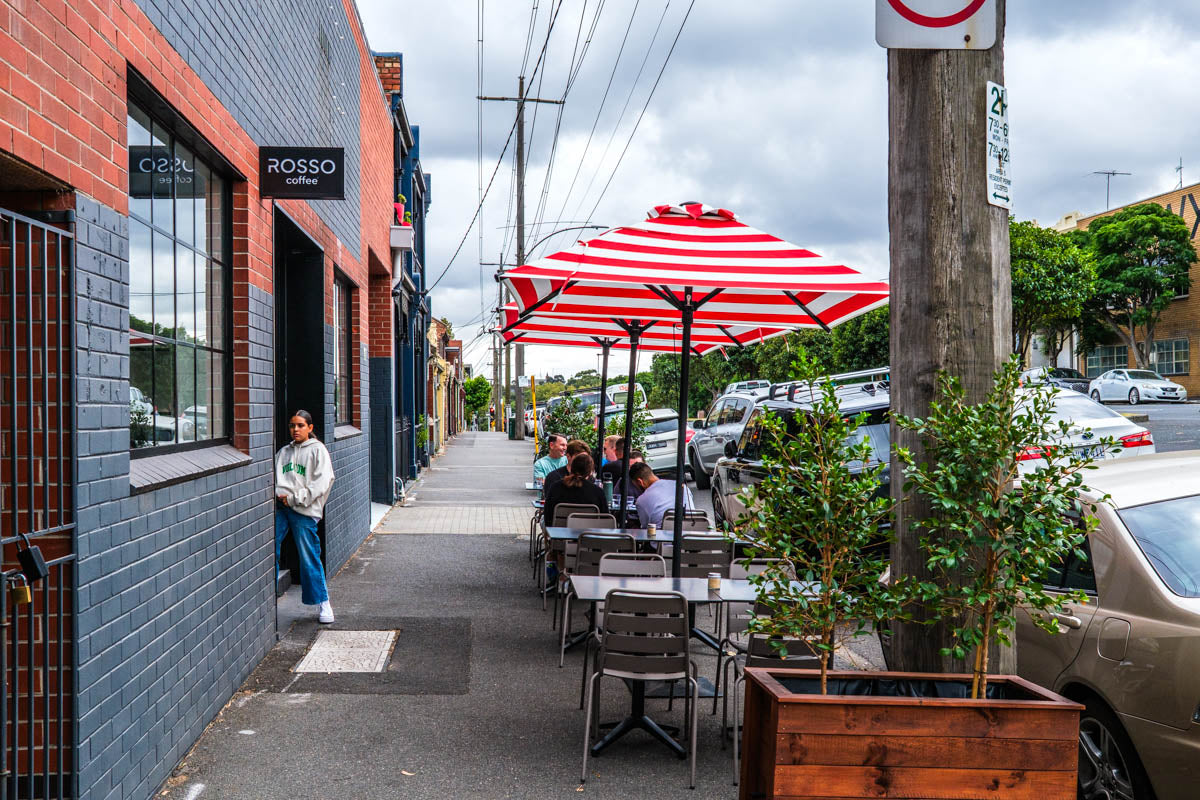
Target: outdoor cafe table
531	486
562	534
593	589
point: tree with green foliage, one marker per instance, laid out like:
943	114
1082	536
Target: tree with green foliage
584	379
1143	256
989	536
862	343
1052	278
818	517
478	394
569	418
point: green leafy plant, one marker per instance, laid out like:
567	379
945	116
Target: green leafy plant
570	418
422	432
400	198
615	424
141	430
993	532
818	514
408	218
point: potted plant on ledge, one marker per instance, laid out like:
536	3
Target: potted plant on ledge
991	533
398	208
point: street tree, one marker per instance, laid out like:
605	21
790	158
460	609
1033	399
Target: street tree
479	394
861	343
1052	278
1143	257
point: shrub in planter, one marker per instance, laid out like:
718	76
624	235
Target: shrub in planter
989	537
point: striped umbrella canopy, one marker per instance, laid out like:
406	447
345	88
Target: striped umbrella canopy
691	264
662	337
692	254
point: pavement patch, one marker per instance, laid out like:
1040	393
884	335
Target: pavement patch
430	656
348	651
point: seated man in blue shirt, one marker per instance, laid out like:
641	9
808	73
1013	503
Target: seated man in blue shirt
657	497
557	444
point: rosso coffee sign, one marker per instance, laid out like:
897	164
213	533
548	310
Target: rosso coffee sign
308	173
155	172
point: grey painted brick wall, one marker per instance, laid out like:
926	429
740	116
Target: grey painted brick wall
348	510
175	601
287	71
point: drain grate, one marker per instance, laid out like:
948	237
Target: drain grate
348	651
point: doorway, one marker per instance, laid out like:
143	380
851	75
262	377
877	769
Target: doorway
299	283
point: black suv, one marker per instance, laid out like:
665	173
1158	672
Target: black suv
742	467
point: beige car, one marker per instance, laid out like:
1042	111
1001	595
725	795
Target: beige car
1131	654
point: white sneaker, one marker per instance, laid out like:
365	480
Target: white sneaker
326	613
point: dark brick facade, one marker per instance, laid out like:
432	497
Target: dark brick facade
174	600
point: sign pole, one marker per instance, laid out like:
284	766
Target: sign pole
951	291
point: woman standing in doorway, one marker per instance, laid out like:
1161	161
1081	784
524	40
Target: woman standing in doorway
303	478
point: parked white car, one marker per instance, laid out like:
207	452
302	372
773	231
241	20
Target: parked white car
1134	386
1090	424
661	439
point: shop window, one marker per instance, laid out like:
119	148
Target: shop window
179	310
1102	359
1171	357
343	353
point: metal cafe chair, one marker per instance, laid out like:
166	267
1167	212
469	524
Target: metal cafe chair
645	638
577	518
562	512
592	547
619	565
737	618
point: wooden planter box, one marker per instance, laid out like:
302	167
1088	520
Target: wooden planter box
797	745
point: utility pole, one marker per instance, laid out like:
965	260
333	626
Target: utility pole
1108	176
951	289
520	100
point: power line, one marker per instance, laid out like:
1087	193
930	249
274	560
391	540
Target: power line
644	107
621	117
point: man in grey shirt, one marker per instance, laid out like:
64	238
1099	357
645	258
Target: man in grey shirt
657	497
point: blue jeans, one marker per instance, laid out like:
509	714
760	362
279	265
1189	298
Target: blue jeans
304	534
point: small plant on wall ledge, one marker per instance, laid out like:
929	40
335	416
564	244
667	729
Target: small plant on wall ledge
993	531
408	218
820	516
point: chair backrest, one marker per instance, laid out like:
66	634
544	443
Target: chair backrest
590	519
761	652
633	565
740	614
564	510
593	546
739	568
699	555
645	635
692	520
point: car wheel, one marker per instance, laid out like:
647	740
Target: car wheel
1109	767
718	510
703	481
1134	397
1095	395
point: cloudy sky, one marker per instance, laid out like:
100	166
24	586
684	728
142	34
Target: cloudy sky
775	109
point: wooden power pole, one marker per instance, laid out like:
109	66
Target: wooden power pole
520	100
951	292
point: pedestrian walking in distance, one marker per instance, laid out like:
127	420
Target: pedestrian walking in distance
303	478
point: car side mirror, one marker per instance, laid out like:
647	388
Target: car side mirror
731	449
698	424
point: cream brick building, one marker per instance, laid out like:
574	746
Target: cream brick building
1177	335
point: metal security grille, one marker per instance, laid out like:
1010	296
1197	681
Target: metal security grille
37	468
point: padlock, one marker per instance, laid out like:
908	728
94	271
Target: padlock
32	564
20	592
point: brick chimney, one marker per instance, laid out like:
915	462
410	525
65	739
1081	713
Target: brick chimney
390	67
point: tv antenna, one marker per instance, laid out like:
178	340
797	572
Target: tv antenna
1108	176
1179	169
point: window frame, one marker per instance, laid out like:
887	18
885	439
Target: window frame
343	348
1101	366
1187	355
152	106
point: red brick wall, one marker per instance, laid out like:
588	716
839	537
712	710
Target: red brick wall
63	102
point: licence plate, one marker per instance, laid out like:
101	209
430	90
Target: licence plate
655	445
1096	451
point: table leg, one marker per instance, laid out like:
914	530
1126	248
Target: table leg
638	719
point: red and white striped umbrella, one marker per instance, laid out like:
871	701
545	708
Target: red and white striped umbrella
733	273
662	337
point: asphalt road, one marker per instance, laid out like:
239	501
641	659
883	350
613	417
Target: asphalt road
1174	426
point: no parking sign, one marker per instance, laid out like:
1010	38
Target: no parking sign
935	24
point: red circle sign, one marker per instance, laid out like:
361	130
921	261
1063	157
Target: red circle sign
917	18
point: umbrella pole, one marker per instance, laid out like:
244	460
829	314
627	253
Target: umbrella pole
681	438
635	333
605	345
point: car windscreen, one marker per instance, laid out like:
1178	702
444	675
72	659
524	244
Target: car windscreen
589	399
664	425
1073	407
1144	375
1168	532
1067	372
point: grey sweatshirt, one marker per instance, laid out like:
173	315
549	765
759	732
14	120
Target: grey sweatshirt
305	474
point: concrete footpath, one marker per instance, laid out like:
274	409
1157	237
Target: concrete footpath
470	702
